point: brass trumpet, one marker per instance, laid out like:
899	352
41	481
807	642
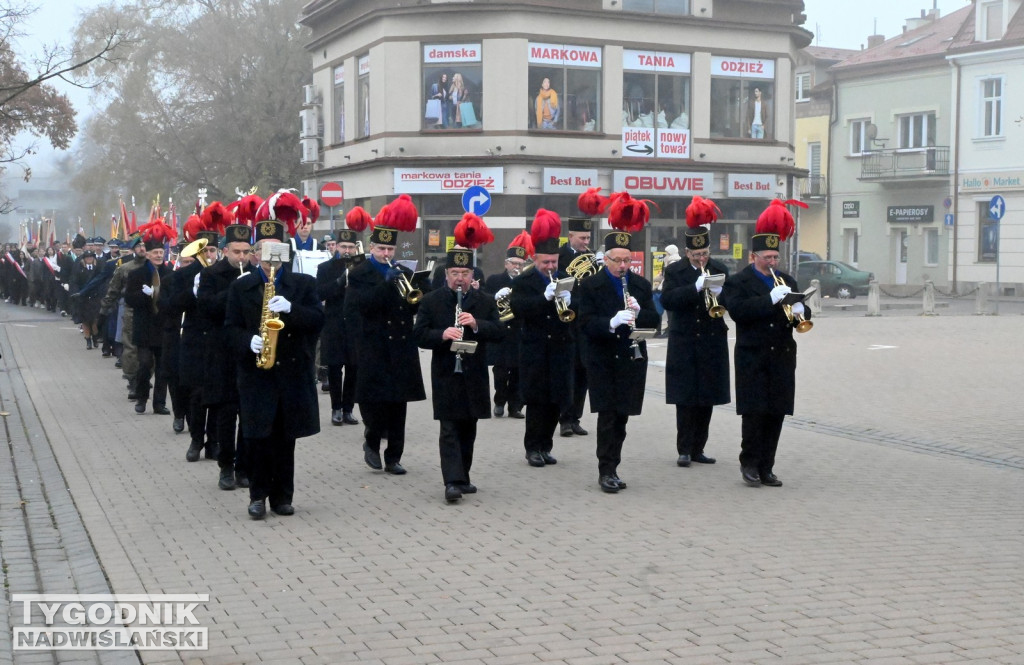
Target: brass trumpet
411	294
715	311
565	315
505	312
801	324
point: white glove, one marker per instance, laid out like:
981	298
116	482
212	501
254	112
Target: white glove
700	282
256	343
195	285
147	289
502	293
798	309
279	304
779	292
715	290
599	257
56	268
624	317
566	296
549	292
633	304
67	287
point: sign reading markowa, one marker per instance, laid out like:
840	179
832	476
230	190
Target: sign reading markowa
106	622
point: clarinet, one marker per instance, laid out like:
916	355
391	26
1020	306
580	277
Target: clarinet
637	355
458	313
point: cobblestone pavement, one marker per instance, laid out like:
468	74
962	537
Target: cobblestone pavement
897	538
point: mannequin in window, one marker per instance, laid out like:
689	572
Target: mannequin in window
758	115
457	95
547	106
441	91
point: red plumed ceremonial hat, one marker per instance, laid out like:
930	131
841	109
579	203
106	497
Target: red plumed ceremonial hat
775	225
471	232
521	247
402	214
591	203
244	209
701	211
358	219
285	207
545	230
313	207
216	217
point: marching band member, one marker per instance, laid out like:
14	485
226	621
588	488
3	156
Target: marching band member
548	343
389	375
613	303
504	355
765	354
697	365
459	389
335	343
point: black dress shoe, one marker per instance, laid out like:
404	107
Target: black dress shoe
336	417
770	479
548	459
516	413
325	387
395	469
284	509
751	477
346	417
565	429
372	458
140	406
701	458
227	479
178	425
161	411
576	429
534	458
193	453
684	460
620	481
258	509
608	484
499	411
452	493
466	488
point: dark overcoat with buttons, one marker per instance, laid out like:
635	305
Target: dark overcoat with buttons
619	380
212	299
290	385
172	304
547	348
505	352
387	355
330	286
147	318
462	396
697	364
765	353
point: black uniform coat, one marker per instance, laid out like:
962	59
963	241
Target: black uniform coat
192	344
147	321
618	384
458	396
88	302
765	354
330	288
218	381
697	365
172	304
547	348
505	352
290	385
389	362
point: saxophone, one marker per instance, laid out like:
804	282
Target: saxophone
270	326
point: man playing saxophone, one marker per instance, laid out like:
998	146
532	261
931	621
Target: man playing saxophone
278	404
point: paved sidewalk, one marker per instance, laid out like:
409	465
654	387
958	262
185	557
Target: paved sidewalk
898	536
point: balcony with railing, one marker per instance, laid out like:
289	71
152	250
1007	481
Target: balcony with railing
905	165
813	188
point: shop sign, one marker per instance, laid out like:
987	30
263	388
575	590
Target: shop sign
663	183
564	55
568	181
447	180
910	214
748	68
750	185
656	61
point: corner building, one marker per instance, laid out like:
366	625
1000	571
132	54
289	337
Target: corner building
545	99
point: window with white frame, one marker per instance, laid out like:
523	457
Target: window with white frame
803	87
992	20
917	130
931	247
859	136
338	102
679	7
363	98
992	107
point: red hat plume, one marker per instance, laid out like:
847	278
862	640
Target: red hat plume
628	214
192	227
313	207
546	225
471	232
383	217
523	240
402	214
358	219
777	219
157	230
591	203
244	209
216	217
701	211
283	206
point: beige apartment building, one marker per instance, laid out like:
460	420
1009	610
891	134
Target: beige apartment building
536	101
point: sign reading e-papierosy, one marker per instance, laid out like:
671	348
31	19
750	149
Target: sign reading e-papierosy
448	180
910	214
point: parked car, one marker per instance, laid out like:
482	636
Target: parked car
802	256
837	279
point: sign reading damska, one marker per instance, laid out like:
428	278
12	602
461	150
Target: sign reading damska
748	68
663	183
749	185
568	181
564	55
910	214
451	53
448	180
656	61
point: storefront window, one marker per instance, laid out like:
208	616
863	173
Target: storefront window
564	87
742	98
988	235
452	86
338	104
363	100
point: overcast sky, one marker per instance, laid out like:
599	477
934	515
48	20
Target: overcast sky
847	23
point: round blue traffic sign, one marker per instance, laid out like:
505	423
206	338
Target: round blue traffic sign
476	200
996	207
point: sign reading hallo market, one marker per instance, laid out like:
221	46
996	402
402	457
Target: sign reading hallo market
910	214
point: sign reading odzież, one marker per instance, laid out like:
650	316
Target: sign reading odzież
910	214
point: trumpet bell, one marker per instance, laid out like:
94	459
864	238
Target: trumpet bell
716	311
195	248
804	325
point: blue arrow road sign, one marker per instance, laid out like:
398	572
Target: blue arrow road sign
996	207
476	200
949	219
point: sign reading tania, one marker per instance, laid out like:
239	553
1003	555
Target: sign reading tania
663	183
748	68
656	61
559	54
447	181
451	53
